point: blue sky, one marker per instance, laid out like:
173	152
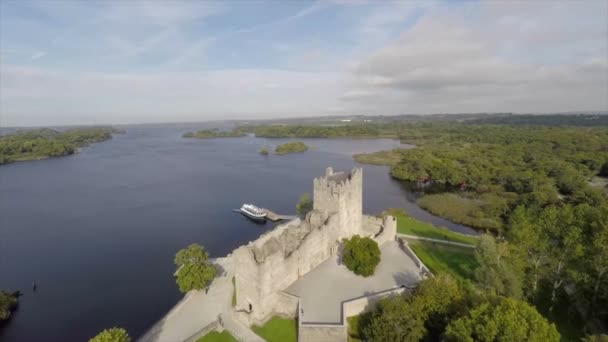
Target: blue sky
77	62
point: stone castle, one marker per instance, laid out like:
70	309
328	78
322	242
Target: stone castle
268	265
255	277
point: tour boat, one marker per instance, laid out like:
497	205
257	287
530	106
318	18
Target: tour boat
253	212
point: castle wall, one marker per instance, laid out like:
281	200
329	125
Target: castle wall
278	258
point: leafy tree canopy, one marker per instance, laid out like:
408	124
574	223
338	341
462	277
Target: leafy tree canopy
7	302
361	255
304	205
502	319
112	335
194	270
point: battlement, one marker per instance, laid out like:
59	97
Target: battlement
335	189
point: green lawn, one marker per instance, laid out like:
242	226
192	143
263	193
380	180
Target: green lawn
458	261
408	225
215	336
277	329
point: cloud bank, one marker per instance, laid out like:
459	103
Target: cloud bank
116	62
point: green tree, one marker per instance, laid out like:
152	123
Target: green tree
421	315
194	270
7	302
531	242
564	229
502	319
112	335
394	320
361	255
304	205
499	271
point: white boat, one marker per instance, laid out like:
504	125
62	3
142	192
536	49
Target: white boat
253	212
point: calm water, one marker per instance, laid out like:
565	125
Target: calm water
97	231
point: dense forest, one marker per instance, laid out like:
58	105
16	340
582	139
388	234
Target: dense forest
44	143
533	187
214	133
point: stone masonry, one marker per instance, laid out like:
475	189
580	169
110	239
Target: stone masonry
265	267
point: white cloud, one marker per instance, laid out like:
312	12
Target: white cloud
38	54
452	62
34	94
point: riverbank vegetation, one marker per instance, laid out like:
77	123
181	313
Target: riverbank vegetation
291	147
112	335
214	133
45	143
316	131
390	158
361	255
277	329
8	301
194	272
264	151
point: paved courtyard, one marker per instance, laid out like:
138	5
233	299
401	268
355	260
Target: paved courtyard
323	290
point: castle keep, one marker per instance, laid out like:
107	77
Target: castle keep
267	266
295	271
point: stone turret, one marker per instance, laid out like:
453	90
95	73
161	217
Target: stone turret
341	193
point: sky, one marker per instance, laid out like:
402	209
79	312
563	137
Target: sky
130	61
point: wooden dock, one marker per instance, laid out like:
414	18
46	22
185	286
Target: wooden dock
272	216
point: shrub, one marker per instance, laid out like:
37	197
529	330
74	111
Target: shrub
7	303
112	335
304	205
361	255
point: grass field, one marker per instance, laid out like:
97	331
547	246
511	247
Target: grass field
457	261
215	336
408	225
277	329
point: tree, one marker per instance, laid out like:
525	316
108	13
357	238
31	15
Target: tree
194	270
532	244
112	335
564	229
304	205
421	315
502	319
499	271
597	254
361	255
7	302
394	320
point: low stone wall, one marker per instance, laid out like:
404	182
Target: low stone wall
204	331
365	304
406	248
322	333
287	305
389	230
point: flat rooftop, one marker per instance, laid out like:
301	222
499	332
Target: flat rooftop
323	289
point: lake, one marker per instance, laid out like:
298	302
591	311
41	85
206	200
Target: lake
98	231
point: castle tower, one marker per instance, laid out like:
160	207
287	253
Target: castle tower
341	193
